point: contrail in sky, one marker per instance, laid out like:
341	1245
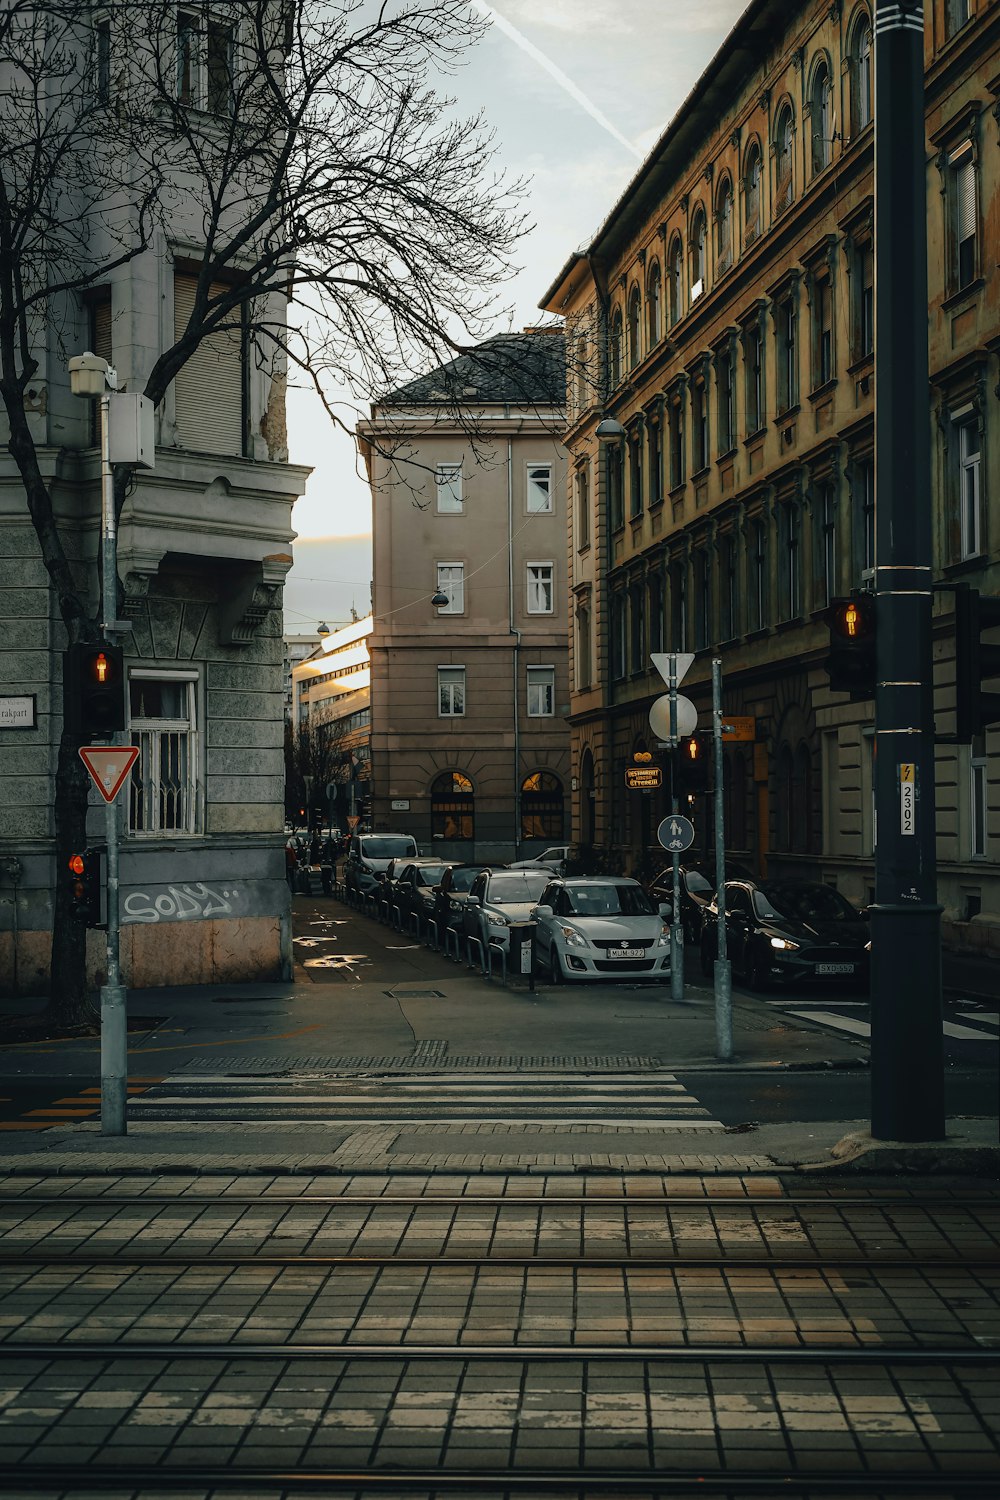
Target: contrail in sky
557	73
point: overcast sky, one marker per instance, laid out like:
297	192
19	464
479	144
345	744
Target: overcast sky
577	92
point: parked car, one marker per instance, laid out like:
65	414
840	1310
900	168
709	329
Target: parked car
697	882
370	855
553	859
787	932
414	890
601	927
499	897
452	894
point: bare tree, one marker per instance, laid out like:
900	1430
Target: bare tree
313	761
327	173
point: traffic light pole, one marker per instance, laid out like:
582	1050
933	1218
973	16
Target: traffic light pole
114	1028
723	970
676	930
907	1078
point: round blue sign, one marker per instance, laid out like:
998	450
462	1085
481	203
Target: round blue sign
675	833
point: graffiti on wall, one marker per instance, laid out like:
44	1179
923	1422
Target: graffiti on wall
181	903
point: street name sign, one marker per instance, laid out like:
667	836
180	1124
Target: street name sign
643	778
109	766
737	727
675	833
18	711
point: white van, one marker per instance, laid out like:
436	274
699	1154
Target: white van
371	854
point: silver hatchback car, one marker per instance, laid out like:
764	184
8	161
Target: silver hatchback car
601	927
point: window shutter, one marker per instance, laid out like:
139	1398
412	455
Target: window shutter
101	329
965	200
208	392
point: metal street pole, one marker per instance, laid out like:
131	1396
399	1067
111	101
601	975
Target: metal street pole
723	971
676	930
114	1027
907	1068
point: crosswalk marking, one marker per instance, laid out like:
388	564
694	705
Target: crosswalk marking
863	1028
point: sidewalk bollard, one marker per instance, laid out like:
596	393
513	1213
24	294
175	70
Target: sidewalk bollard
522	942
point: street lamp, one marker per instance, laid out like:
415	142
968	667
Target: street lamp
92	377
609	430
440	599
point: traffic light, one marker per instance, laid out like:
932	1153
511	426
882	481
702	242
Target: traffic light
851	660
94	690
84	879
976	661
692	765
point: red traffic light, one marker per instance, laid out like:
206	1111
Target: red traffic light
77	864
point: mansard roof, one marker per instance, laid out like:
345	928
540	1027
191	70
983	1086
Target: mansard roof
518	369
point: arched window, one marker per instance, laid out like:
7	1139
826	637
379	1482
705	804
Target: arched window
724	225
751	194
675	274
654	311
542	807
453	807
634	328
861	72
822	118
698	255
783	159
616	347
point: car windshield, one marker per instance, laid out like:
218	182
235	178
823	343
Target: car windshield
461	880
430	874
802	903
522	885
387	848
609	901
696	881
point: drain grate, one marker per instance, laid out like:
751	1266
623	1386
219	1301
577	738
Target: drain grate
415	994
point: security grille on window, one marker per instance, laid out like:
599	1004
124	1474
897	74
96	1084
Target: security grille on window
969	471
448	483
541	692
164	787
451	581
539	487
540	588
963	212
451	692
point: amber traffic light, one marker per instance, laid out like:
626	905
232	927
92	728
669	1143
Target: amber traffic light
94	690
84	881
693	765
850	661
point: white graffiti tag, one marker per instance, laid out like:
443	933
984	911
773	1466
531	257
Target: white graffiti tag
178	903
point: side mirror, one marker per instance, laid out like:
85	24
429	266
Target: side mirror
473	901
666	911
543	911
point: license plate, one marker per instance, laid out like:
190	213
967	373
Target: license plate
626	952
834	968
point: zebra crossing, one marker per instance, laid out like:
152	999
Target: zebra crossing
851	1018
558	1098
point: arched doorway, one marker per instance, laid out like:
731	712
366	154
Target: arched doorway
542	807
453	807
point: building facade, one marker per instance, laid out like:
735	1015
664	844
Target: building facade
331	702
470	748
724	316
204	545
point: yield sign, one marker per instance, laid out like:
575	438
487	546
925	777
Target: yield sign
661	661
109	766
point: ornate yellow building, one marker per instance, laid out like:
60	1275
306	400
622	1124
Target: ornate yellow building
724	316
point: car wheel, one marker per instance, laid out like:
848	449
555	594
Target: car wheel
555	966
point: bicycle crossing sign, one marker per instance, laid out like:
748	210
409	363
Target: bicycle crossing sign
675	833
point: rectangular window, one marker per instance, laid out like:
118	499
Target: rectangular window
957	12
655	453
865	487
541	692
539	488
635	476
219	69
699	426
863	293
210	390
969	487
703	601
102	60
619	639
448	484
678	608
582	508
451	692
791	577
977	798
962	195
540	586
753	352
676	419
451	581
164	790
187	58
655	612
758	576
583	656
787	343
616	479
822	334
727	402
727	589
828	524
637	617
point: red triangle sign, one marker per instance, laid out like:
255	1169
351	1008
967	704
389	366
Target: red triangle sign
109	766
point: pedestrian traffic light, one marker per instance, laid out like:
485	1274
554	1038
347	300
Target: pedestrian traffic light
976	661
84	879
692	765
851	659
94	690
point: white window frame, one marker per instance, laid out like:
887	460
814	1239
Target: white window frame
155	728
450	500
451	690
204	20
453	586
538	492
541	688
970	482
540	589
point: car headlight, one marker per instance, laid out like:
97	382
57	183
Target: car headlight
663	941
574	938
868	946
496	920
785	943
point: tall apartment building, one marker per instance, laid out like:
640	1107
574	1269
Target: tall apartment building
331	700
724	315
470	749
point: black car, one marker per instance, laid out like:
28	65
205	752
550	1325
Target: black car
787	932
452	894
697	884
414	890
